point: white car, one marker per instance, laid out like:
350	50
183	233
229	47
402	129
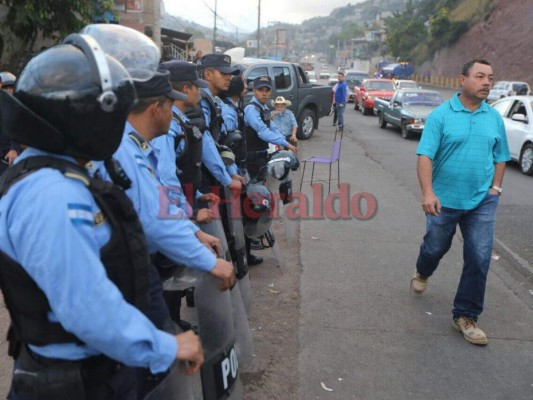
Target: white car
324	74
517	113
406	84
503	89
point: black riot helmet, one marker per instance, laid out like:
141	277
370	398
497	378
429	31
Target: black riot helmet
258	208
281	162
70	99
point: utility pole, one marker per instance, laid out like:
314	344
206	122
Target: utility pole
259	29
215	28
156	30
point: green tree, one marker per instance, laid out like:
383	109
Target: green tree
404	32
53	19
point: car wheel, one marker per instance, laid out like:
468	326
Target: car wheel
306	126
405	132
526	159
381	121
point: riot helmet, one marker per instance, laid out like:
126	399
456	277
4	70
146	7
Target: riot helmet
281	162
235	141
134	50
258	208
70	99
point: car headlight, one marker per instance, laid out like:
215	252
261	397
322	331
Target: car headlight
371	98
416	121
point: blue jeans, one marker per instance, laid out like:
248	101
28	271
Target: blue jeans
477	227
340	114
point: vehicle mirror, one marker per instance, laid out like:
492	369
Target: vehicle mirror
250	86
519	117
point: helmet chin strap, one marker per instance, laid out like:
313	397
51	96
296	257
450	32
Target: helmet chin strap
99	66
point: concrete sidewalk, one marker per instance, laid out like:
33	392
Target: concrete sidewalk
365	336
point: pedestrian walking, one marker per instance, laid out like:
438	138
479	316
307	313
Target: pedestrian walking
461	163
341	93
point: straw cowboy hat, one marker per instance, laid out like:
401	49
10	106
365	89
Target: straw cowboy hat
280	100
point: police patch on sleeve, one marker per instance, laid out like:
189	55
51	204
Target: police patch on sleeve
80	214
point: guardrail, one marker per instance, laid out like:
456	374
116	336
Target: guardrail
440	81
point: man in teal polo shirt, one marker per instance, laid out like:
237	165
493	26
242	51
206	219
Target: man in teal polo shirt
461	163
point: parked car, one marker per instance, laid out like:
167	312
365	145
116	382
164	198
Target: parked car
324	75
503	89
333	79
406	84
310	102
517	113
370	90
354	78
407	110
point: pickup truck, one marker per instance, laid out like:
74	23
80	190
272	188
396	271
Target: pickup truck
310	102
407	110
369	91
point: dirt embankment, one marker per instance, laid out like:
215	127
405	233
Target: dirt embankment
504	38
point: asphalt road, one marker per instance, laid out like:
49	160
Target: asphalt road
363	335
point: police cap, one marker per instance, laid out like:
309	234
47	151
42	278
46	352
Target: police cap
158	85
221	62
183	71
262	81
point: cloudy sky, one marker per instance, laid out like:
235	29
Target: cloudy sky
244	17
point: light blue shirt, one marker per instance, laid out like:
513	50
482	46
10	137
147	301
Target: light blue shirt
48	225
464	147
285	122
252	118
166	160
167	229
210	155
230	116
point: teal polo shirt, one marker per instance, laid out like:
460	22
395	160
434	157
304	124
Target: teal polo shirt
464	147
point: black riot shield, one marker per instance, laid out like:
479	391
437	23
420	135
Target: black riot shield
237	246
242	333
220	371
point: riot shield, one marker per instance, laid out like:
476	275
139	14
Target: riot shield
220	371
237	246
176	385
243	335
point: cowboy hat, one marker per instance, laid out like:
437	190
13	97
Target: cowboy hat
280	100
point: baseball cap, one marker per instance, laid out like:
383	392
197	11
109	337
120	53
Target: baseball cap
183	71
221	62
158	85
262	81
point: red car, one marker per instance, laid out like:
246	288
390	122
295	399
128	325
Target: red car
371	89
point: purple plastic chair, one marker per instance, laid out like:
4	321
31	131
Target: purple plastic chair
334	157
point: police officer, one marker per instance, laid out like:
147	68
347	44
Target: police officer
74	266
180	151
258	129
167	228
217	71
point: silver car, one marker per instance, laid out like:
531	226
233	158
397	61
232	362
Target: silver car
517	113
503	89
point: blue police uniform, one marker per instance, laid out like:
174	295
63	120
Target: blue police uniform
229	116
167	228
51	225
164	146
210	156
253	119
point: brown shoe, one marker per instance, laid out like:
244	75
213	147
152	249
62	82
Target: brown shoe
418	283
470	330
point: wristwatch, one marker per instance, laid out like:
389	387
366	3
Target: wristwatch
497	188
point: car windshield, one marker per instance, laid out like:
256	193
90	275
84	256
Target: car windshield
408	85
500	86
380	85
422	99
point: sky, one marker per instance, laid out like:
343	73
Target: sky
244	17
